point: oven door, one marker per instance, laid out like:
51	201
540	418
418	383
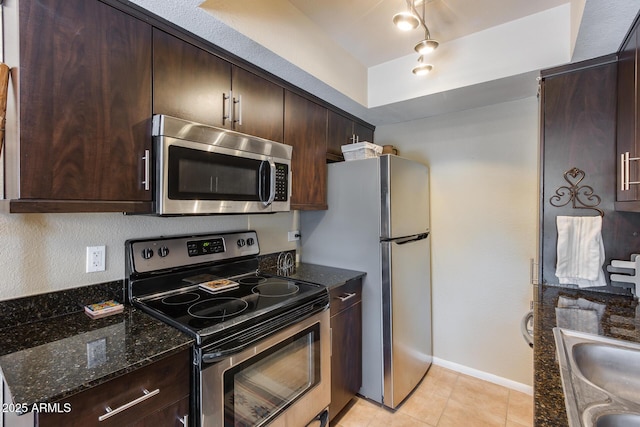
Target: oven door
196	178
282	381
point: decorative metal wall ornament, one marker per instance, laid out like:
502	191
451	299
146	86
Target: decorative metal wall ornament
580	197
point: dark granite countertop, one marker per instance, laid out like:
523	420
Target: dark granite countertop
320	274
48	360
619	319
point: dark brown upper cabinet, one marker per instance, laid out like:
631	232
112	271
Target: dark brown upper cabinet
258	105
189	82
628	138
305	129
342	130
193	84
80	141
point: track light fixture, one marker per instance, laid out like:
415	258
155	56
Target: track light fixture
422	68
411	20
406	21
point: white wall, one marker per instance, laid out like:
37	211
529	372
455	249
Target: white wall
484	171
46	252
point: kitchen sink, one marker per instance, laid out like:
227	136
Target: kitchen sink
618	420
600	379
612	368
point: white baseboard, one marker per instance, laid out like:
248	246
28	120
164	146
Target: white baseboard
484	376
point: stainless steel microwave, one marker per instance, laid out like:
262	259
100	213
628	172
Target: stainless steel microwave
202	170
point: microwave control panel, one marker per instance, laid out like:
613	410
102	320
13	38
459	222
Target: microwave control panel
282	182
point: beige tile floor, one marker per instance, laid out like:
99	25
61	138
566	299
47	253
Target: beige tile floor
446	398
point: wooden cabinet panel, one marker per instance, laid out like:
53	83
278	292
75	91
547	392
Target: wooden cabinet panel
188	82
346	345
627	121
305	129
342	131
261	109
85	91
578	130
193	84
167	379
362	132
171	416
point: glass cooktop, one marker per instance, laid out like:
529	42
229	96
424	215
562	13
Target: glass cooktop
204	308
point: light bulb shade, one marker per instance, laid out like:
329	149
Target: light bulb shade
426	46
406	21
422	69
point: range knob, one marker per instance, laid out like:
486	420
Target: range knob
147	253
163	251
250	241
241	243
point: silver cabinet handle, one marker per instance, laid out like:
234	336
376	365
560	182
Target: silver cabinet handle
238	101
533	279
625	160
226	106
111	412
346	297
185	420
147	172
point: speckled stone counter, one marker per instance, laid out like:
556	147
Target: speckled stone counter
619	320
49	359
321	274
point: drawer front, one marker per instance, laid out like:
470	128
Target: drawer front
165	381
345	296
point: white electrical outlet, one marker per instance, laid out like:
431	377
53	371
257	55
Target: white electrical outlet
95	258
294	235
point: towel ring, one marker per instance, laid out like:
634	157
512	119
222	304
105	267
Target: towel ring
580	197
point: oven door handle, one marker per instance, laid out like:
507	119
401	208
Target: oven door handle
223	354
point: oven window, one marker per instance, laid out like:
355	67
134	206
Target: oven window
195	174
260	388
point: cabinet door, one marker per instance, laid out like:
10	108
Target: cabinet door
627	126
176	415
85	109
188	82
346	357
340	132
305	129
363	132
260	109
166	382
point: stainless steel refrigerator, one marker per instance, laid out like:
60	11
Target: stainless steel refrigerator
378	222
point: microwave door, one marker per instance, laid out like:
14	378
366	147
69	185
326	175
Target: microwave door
267	182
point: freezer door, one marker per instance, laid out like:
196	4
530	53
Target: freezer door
404	188
406	306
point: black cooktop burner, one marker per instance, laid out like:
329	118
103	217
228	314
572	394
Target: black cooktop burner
252	280
179	299
276	289
218	308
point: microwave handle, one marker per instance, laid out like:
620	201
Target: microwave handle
272	182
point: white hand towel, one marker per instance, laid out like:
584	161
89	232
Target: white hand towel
580	251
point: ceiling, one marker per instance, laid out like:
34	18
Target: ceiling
299	40
365	29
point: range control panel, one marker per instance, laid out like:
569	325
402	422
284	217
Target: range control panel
181	251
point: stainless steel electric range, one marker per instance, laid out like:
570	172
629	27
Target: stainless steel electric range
262	352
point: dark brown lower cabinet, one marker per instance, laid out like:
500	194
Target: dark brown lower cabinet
346	344
156	395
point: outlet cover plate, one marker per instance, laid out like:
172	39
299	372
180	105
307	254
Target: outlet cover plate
95	258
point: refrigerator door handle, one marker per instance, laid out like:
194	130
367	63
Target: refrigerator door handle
405	240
